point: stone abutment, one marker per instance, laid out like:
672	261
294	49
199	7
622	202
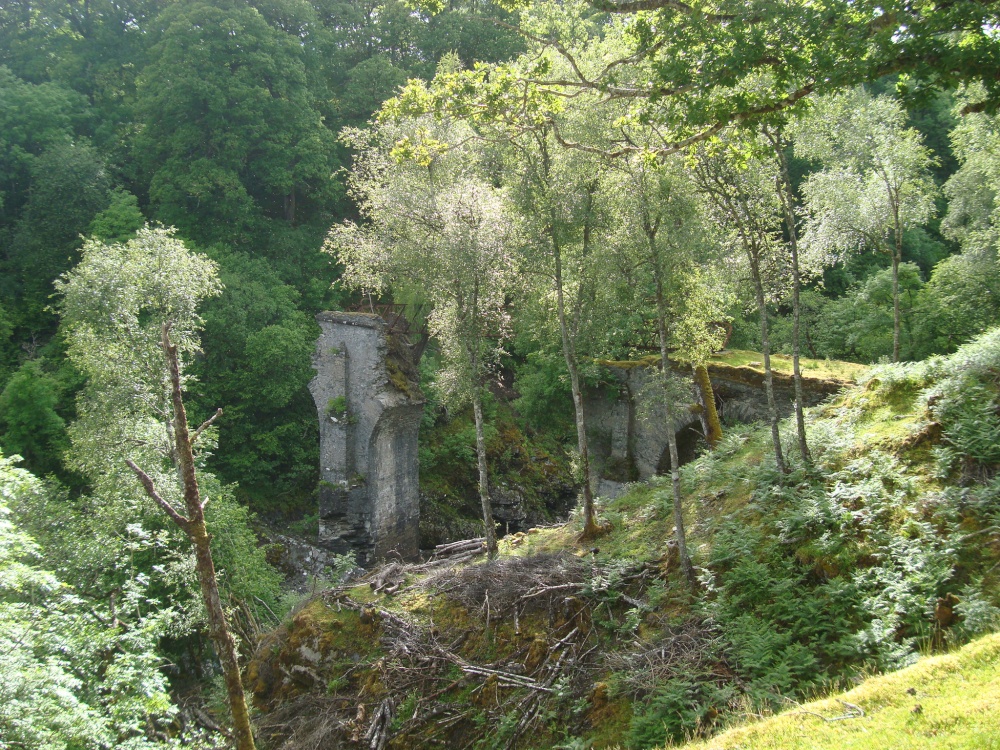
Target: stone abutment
369	407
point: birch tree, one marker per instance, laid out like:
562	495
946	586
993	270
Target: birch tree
130	316
775	137
875	183
704	298
433	221
658	214
736	177
557	192
555	189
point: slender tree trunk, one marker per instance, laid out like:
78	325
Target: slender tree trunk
675	474
472	345
800	420
710	415
897	257
590	527
700	398
194	526
484	486
895	307
765	346
788	208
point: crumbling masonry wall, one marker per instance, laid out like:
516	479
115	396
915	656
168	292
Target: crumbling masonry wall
369	415
628	435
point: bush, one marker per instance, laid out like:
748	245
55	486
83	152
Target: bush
967	402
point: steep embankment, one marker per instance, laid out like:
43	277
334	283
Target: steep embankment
888	545
950	701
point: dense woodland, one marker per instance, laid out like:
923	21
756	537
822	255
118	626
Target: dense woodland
549	187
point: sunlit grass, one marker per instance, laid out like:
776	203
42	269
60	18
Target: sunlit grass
950	701
824	369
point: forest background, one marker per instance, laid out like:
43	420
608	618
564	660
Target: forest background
222	119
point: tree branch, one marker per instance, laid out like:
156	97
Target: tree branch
977	107
205	425
634	6
150	488
583	82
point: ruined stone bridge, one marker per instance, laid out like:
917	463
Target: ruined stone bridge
369	405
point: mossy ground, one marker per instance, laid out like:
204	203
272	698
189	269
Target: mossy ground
821	369
834	371
319	646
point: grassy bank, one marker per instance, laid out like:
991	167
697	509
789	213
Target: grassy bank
942	702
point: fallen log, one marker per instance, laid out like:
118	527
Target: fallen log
454	548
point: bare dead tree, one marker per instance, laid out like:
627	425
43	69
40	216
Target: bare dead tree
193	524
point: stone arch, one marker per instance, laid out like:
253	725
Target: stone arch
690	440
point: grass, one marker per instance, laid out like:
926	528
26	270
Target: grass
958	695
819	369
823	369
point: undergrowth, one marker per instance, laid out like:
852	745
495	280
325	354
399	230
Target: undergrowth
529	468
886	547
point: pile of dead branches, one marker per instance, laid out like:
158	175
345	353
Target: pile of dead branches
690	648
428	688
510	586
422	670
389	578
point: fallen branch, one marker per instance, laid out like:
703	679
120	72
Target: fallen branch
377	735
512	679
853	712
465	545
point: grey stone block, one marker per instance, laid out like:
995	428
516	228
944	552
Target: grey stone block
369	414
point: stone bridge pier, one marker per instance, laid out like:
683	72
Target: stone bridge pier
369	405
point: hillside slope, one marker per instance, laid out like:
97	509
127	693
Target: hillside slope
887	546
949	701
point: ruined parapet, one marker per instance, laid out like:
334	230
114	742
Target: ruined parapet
369	407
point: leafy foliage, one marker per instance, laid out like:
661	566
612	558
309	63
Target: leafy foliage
226	144
256	366
676	710
71	674
221	118
31	426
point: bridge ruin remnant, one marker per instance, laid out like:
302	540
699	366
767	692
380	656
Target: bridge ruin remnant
369	405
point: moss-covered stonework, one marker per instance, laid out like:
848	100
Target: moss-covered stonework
369	406
627	429
319	644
